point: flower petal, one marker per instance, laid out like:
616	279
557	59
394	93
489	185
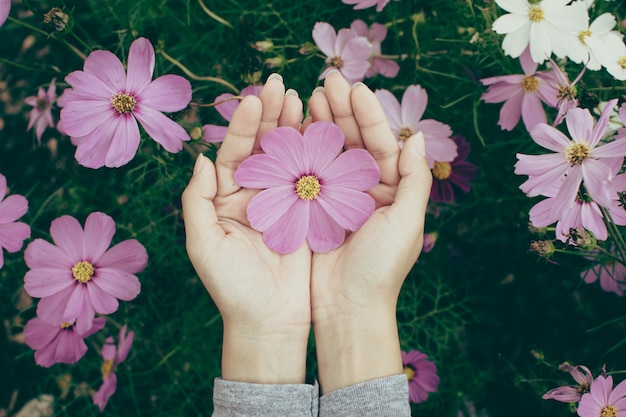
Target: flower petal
354	168
168	93
38	334
325	36
322	142
12	236
162	129
106	67
99	231
117	283
79	308
43	254
414	102
324	233
264	171
391	106
101	301
286	144
124	141
80	118
128	256
67	234
549	137
289	233
213	133
140	66
269	206
44	282
349	208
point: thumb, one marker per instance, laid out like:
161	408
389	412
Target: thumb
201	227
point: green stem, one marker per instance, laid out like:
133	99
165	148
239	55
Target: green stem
48	35
197	77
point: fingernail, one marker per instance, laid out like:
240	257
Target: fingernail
319	89
332	72
291	92
197	167
358	84
275	76
419	144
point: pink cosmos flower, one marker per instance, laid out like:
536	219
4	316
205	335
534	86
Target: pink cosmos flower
312	190
575	161
112	356
58	343
12	233
603	399
454	175
522	95
406	119
102	109
364	4
565	91
612	276
215	133
78	277
571	394
376	34
345	51
41	114
421	373
5	8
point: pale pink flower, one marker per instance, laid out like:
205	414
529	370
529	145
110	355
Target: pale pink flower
58	343
345	51
522	95
376	34
78	277
603	399
112	356
421	373
406	120
41	114
311	190
214	133
103	106
575	161
565	91
571	394
364	4
5	8
612	276
12	233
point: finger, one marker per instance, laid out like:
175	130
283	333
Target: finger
319	107
291	114
272	96
305	123
376	133
238	144
201	226
337	90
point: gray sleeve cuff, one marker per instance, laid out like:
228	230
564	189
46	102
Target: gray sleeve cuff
387	396
241	399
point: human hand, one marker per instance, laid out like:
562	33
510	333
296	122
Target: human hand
354	289
263	296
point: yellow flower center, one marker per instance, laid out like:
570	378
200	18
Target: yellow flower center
107	367
123	103
409	372
442	170
584	35
622	62
535	14
66	325
608	411
530	83
83	271
566	92
405	133
308	187
336	62
577	152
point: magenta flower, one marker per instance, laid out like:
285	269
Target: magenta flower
571	394
41	114
575	161
405	120
215	133
58	343
603	399
421	373
364	4
112	356
522	95
5	8
311	190
12	233
345	51
78	277
612	276
456	175
376	34
102	109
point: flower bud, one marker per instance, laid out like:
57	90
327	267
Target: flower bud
264	46
276	62
545	248
57	19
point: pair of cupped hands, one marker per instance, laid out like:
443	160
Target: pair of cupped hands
268	300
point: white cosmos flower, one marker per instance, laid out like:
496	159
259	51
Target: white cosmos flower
546	26
613	57
591	42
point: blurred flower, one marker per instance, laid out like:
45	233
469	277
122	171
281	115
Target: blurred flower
611	273
12	233
469	410
58	343
40	406
41	114
613	58
345	51
376	34
571	394
78	276
522	95
544	26
593	42
364	4
575	160
454	175
421	373
429	241
5	8
603	400
309	192
112	356
406	120
215	133
103	106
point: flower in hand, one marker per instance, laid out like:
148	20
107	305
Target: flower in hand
311	190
